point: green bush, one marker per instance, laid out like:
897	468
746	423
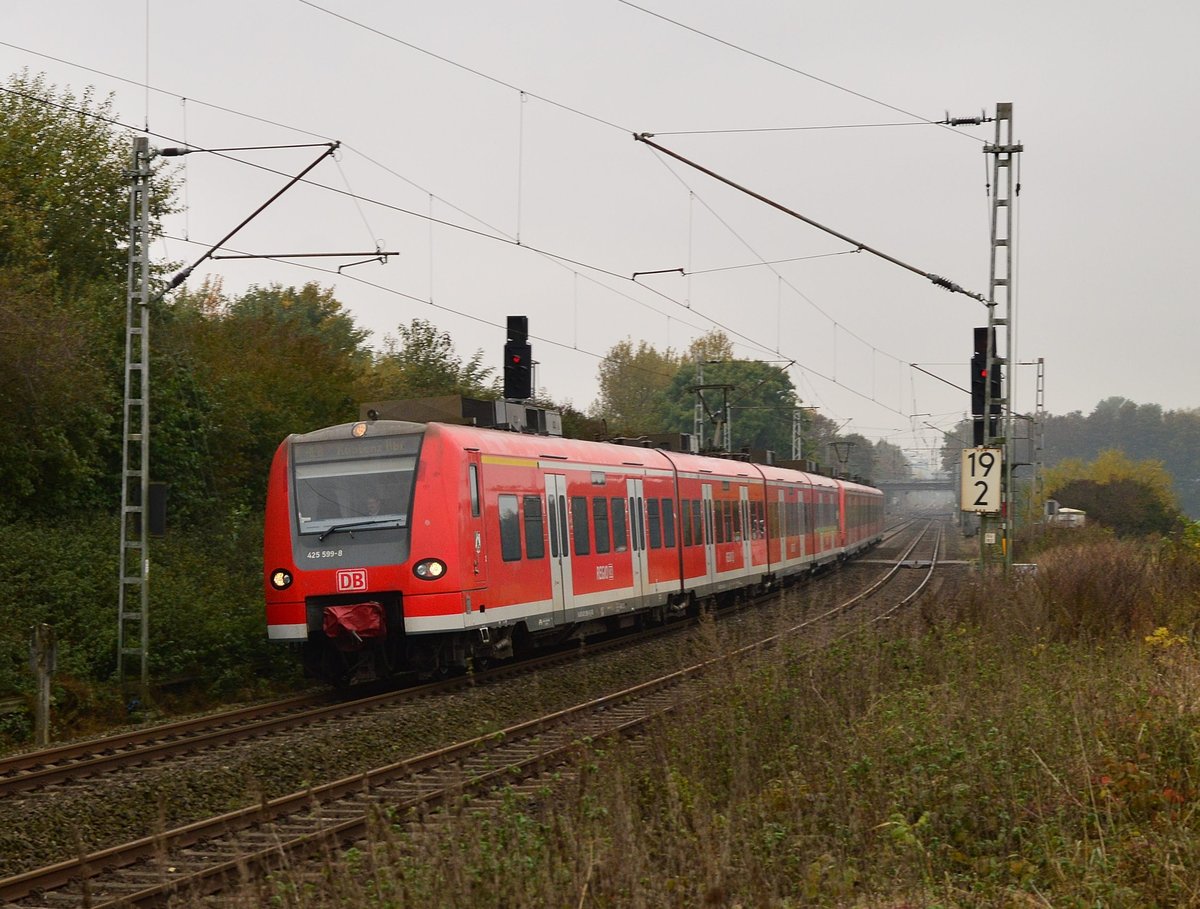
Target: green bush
207	620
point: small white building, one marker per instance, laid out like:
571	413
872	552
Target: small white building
1068	517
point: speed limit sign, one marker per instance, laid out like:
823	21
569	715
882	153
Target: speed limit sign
981	479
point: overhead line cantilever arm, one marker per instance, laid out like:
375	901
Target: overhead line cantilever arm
183	275
965	391
944	283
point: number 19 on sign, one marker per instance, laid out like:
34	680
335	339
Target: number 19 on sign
981	479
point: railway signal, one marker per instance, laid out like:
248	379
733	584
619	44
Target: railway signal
981	378
518	360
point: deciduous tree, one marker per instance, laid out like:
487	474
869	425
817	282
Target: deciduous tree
63	233
420	362
236	375
632	384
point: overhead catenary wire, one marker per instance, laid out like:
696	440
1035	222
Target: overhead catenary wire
183	275
462	66
938	280
696	197
563	260
799	72
788	129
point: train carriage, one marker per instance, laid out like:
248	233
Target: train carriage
393	546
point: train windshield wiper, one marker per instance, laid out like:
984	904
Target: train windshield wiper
356	525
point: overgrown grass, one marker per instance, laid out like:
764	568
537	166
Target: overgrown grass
1032	744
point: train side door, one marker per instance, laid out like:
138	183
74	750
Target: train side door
560	551
744	507
710	547
637	533
475	539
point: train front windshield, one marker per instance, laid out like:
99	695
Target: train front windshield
355	484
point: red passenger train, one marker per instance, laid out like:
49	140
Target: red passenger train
393	546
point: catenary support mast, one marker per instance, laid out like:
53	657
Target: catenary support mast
996	535
133	600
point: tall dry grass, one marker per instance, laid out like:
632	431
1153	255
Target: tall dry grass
1033	743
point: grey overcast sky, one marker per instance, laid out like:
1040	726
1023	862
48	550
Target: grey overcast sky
515	120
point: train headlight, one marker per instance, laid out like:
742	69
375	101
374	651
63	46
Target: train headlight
429	569
281	579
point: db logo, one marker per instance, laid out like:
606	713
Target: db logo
351	580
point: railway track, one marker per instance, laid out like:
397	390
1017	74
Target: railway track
84	760
206	856
94	757
203	856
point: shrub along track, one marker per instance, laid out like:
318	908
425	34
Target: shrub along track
159	862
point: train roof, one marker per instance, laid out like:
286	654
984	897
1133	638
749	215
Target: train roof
526	445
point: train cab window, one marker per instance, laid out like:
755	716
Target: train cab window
685	519
668	518
619	529
474	484
510	529
579	525
654	521
535	538
600	523
365	486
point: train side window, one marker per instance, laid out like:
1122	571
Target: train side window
474	483
619	531
579	525
652	519
735	515
552	521
685	518
510	529
668	519
698	522
639	526
535	537
600	523
562	526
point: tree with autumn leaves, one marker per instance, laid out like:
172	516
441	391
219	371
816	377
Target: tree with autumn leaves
64	215
231	374
644	391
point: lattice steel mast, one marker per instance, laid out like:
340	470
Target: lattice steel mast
1004	152
133	599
